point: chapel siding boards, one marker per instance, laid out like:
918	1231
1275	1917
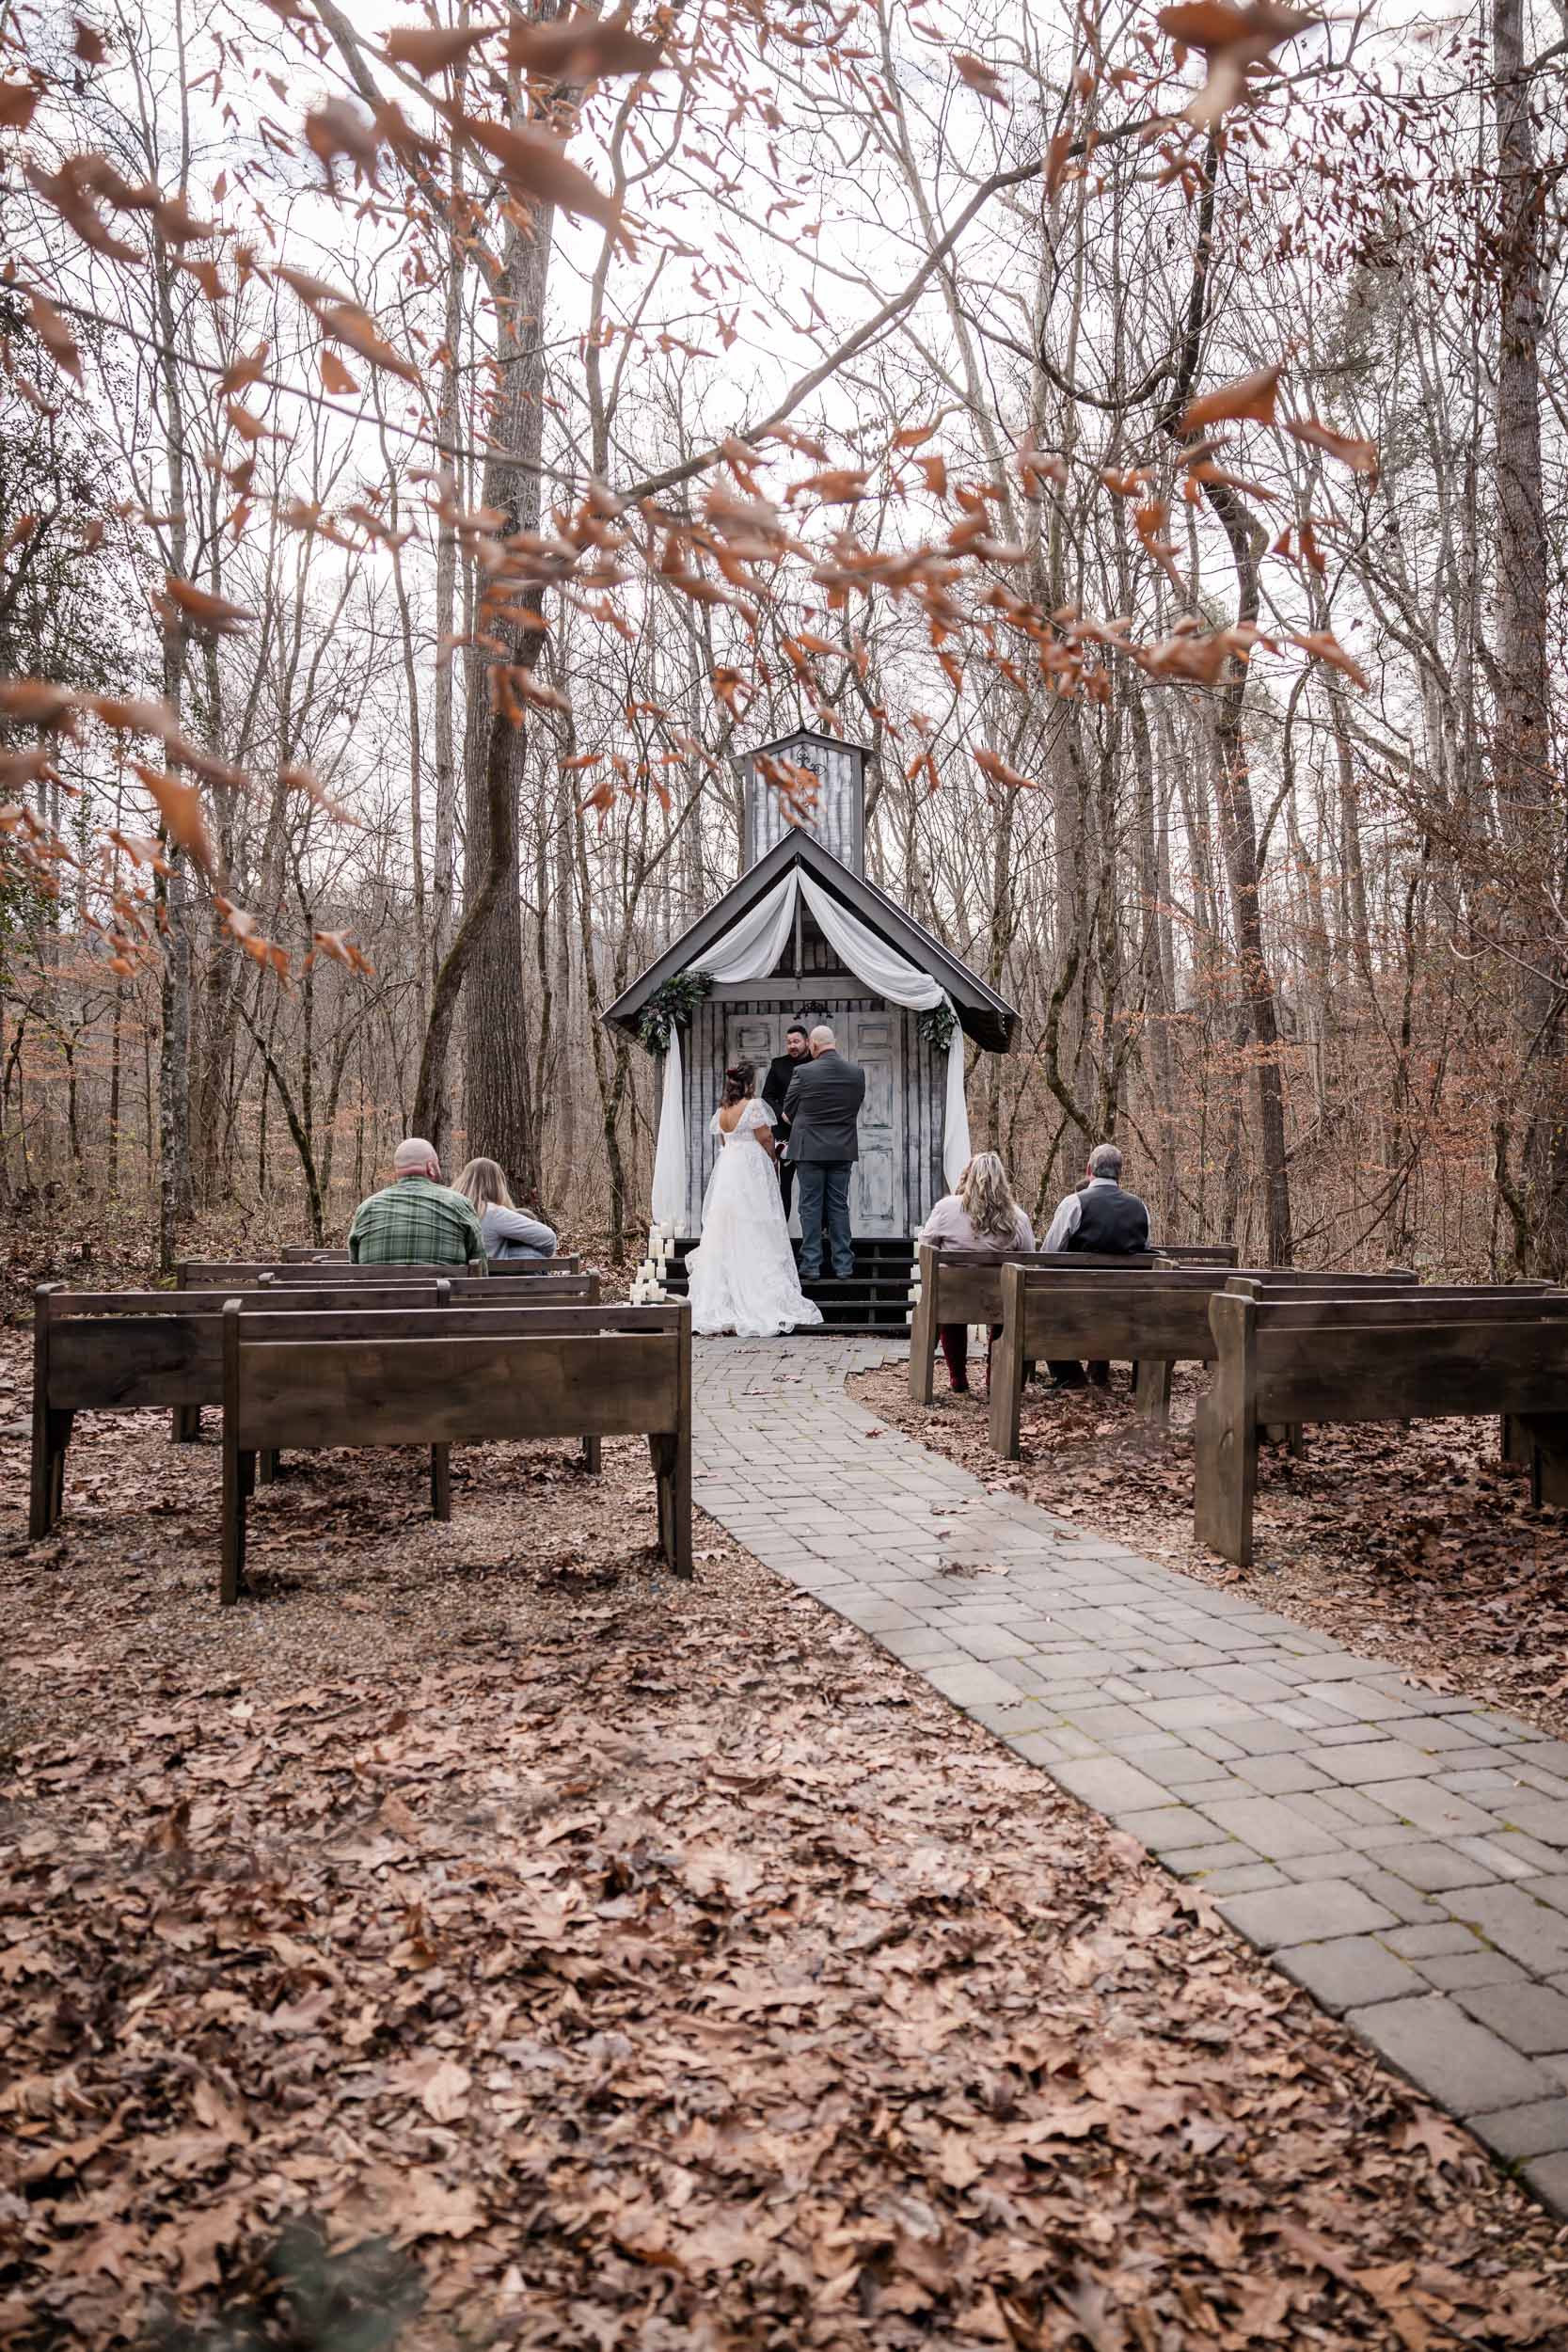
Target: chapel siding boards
838	819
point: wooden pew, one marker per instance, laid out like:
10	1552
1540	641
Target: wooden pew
965	1286
112	1351
115	1350
1154	1317
472	1373
1345	1358
305	1253
252	1274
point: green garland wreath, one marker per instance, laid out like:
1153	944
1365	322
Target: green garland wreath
937	1025
670	1007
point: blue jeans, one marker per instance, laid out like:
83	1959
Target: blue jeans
822	1191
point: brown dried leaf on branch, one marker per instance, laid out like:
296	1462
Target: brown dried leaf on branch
980	77
1323	646
991	764
180	806
18	104
54	335
429	50
1251	399
580	48
348	324
1359	456
537	168
199	609
1231	40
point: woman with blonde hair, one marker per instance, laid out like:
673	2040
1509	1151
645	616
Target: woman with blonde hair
508	1233
979	1213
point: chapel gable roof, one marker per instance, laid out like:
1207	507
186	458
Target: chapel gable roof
984	1015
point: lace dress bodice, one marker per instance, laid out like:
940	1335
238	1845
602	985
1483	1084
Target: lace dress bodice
753	1116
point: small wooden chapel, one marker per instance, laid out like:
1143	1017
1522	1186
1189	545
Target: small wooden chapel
803	934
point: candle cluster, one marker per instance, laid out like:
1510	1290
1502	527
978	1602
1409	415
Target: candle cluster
648	1289
914	1297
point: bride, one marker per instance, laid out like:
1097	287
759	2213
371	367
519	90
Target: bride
742	1277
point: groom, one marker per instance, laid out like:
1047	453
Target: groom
822	1107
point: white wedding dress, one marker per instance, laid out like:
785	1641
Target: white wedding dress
741	1276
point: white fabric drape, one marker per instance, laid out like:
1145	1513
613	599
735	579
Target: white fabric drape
749	951
890	975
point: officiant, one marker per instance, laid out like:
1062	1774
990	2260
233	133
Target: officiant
774	1087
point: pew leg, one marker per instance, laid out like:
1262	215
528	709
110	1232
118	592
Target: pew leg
671	1459
1006	1391
593	1454
1225	1482
680	1558
1546	1437
923	1348
239	1474
40	1489
441	1481
1513	1444
48	1472
266	1466
1152	1391
185	1424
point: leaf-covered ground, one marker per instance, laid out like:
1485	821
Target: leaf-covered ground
632	1965
1415	1544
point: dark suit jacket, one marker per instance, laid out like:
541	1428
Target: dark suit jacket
822	1107
781	1070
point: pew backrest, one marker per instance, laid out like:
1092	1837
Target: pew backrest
1444	1350
306	1253
104	1350
466	1375
525	1277
1157	1311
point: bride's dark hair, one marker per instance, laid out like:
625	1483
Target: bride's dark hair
739	1084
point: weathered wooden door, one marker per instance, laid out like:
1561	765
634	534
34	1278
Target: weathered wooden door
877	1202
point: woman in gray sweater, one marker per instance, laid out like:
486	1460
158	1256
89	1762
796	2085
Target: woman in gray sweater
508	1233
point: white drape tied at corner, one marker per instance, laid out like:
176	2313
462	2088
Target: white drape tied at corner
749	951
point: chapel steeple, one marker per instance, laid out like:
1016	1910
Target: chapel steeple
777	795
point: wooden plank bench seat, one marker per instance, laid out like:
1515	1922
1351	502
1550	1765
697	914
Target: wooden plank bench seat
118	1351
1342	1358
471	1373
965	1286
1152	1317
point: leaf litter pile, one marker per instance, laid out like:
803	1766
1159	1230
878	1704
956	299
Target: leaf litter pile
1415	1544
476	1937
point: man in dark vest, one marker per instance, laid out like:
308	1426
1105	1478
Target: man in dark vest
1102	1217
781	1070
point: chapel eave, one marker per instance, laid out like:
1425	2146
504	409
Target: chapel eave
983	1016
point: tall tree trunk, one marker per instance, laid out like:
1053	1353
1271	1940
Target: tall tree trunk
1248	540
497	1097
1522	783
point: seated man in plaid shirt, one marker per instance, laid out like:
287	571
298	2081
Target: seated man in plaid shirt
416	1221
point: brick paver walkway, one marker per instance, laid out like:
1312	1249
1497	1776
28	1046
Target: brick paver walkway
1399	1852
